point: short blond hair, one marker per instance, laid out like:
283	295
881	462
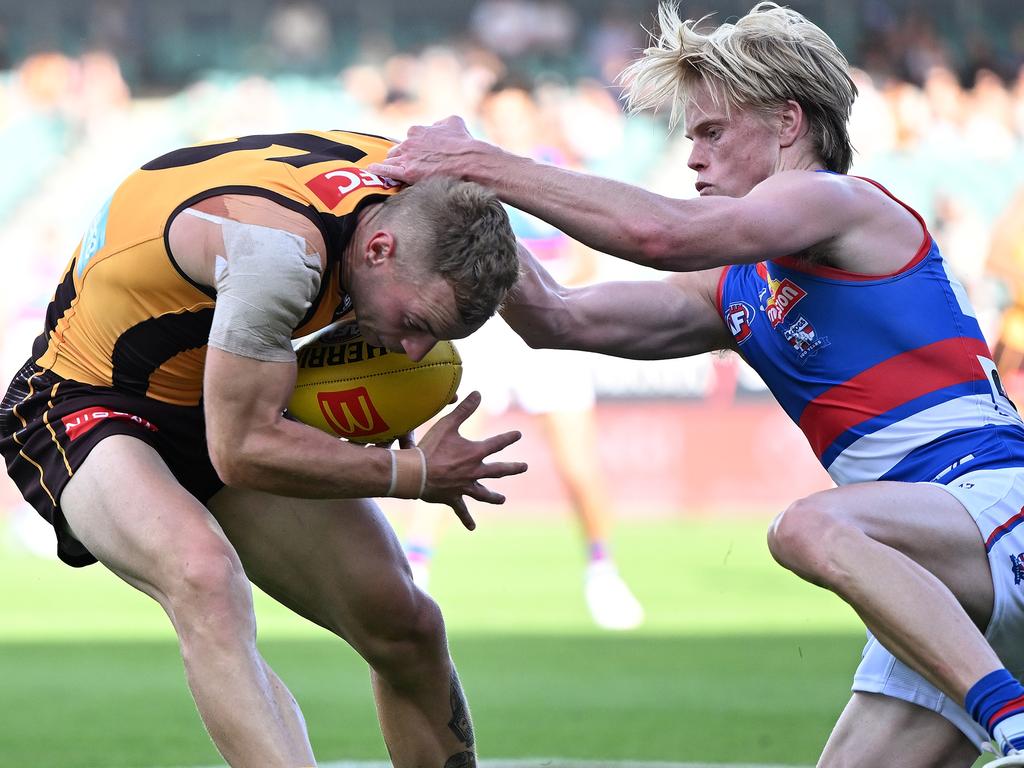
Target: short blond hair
460	231
771	55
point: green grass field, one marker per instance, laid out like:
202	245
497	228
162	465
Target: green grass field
738	661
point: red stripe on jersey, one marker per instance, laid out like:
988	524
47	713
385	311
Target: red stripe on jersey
890	384
997	532
1010	708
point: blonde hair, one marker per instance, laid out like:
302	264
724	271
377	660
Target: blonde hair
771	55
461	232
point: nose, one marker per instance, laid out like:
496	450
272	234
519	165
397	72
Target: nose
696	161
417	347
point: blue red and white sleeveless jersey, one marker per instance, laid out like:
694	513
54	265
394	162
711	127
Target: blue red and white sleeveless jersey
889	377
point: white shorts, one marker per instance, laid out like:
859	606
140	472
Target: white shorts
995	499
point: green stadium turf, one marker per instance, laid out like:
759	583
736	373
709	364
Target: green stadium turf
739	661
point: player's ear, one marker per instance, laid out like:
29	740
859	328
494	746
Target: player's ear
792	123
380	248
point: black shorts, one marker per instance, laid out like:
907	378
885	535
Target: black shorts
48	426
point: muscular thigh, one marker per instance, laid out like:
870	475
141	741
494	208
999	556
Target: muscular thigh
877	730
130	512
928	525
336	562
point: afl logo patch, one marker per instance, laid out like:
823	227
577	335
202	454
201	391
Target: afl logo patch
739	316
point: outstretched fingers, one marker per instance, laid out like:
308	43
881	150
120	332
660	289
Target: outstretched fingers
465	409
462	512
502	468
481	492
499	442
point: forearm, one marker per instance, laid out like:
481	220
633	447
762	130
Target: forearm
616	218
639	320
288	458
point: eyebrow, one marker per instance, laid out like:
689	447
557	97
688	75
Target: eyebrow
700	125
423	325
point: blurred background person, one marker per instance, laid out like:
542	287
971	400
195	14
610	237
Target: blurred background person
1006	261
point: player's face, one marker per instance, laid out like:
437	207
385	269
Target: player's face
734	149
403	311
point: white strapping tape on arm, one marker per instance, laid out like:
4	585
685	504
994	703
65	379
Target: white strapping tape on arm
265	286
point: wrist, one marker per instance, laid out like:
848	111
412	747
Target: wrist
408	473
486	164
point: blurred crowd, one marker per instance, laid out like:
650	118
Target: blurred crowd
941	124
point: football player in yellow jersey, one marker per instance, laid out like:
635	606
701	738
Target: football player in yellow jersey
147	424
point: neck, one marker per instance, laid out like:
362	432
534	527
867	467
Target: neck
799	158
356	242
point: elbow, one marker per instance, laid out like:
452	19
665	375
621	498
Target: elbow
654	242
233	466
534	336
225	465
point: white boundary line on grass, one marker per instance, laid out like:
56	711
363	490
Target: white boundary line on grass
555	762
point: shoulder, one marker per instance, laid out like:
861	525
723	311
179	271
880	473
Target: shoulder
196	239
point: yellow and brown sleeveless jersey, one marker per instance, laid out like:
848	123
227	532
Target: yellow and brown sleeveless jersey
124	315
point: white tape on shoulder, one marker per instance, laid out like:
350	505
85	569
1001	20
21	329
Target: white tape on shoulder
266	283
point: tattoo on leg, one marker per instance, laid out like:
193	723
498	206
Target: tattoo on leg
460	724
461	760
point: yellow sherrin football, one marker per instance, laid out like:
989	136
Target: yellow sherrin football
354	390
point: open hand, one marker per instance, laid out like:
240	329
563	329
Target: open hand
441	148
455	465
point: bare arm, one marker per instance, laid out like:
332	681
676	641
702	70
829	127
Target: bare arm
643	320
254	446
784	215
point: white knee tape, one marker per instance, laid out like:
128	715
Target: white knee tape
266	282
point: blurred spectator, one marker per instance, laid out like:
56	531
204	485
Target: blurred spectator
515	28
1006	261
298	35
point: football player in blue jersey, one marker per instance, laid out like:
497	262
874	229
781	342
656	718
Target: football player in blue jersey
836	294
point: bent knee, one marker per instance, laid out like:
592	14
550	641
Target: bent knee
210	595
802	537
408	631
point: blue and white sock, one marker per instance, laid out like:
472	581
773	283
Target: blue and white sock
997	703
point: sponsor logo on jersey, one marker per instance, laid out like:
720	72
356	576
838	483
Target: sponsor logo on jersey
351	412
803	338
739	316
78	423
1017	566
333	186
783	295
95	237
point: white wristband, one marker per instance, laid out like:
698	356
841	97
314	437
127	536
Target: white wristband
423	472
394	473
410	473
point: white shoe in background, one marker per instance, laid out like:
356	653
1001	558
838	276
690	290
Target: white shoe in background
612	605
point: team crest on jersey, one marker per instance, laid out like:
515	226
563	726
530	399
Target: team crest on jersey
1017	566
333	186
803	338
739	316
783	295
